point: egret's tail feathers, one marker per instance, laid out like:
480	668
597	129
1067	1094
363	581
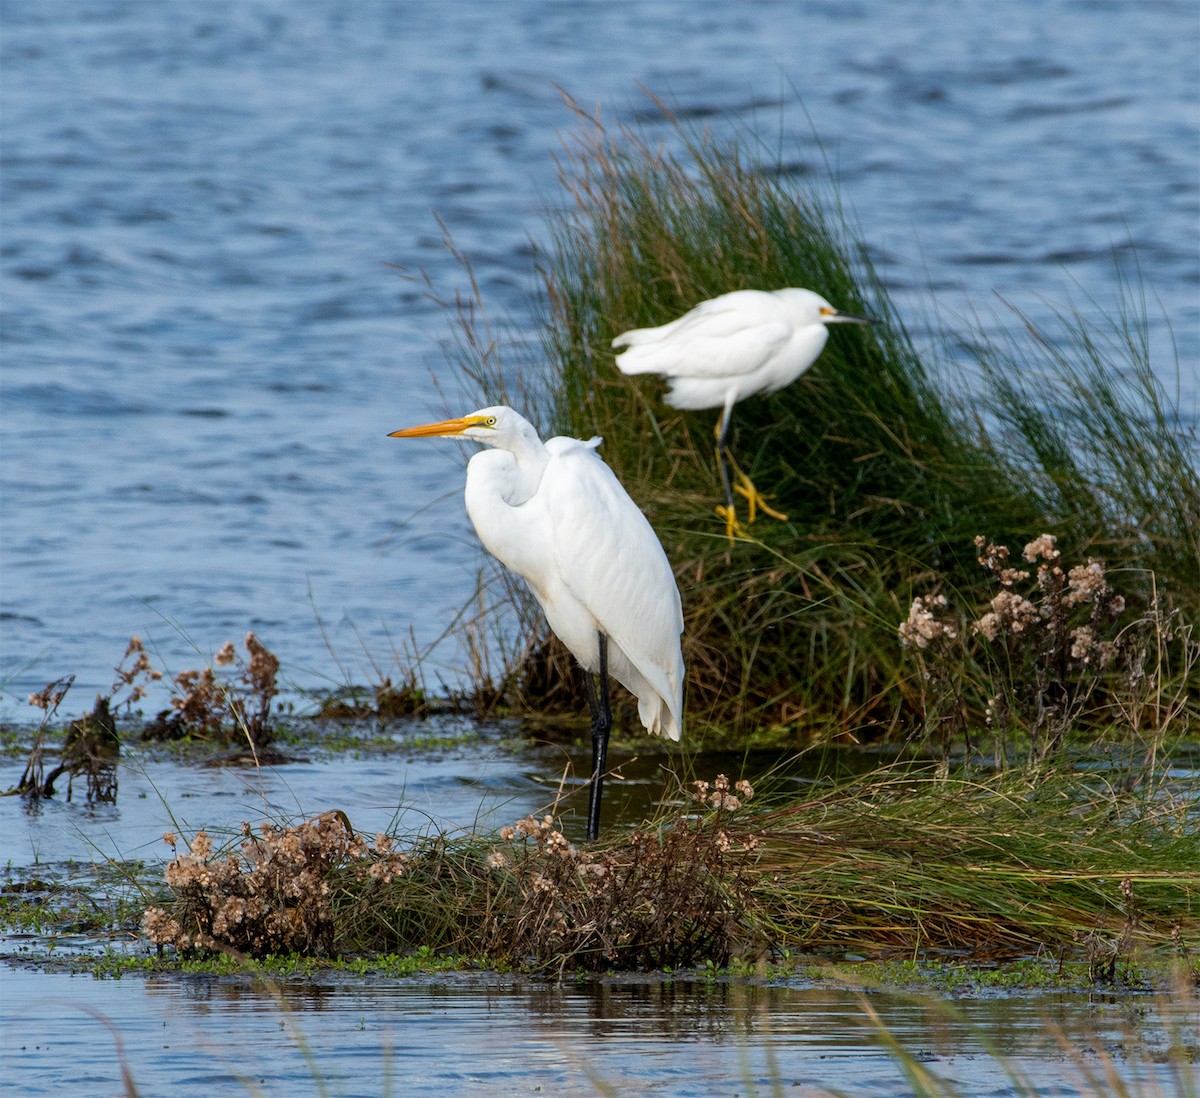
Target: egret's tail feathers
659	719
643	360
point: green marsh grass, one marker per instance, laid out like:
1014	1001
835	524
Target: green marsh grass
882	461
905	862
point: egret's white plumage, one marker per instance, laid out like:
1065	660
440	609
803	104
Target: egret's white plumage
556	515
730	348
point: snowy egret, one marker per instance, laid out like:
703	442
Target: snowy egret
729	348
556	515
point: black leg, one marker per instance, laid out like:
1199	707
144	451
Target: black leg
601	726
722	429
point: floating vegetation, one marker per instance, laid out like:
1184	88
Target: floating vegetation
232	709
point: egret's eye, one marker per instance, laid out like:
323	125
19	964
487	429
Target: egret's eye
491	421
825	311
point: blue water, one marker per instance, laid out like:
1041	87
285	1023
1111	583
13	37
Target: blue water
204	345
504	1037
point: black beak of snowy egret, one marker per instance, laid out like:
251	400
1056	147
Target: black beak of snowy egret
836	316
442	427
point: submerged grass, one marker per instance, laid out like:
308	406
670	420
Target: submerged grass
885	467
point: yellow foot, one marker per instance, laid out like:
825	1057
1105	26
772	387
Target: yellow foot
755	499
733	528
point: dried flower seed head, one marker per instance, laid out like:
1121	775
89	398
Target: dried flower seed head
993	557
51	697
226	656
1009	613
1086	583
988	626
1050	580
160	928
1083	643
497	860
923	626
1041	548
263	666
201	845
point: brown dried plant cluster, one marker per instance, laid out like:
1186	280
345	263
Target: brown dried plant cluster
274	894
92	745
1058	646
209	706
205	706
665	894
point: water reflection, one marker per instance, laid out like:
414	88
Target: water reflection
465	1034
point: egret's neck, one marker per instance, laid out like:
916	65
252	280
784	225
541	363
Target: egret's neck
514	470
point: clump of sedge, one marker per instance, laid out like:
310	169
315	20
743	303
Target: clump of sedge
660	896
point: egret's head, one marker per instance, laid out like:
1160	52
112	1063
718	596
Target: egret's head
491	426
812	308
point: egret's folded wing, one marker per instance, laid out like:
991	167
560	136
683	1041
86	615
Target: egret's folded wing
728	336
614	564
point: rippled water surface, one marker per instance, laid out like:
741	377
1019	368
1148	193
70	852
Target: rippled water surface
204	347
518	1036
206	340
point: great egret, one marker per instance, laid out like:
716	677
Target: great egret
729	348
556	515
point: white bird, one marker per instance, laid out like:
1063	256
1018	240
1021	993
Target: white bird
556	515
729	348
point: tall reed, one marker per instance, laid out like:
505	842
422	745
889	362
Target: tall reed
886	468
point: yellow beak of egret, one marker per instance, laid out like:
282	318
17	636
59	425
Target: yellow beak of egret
442	427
